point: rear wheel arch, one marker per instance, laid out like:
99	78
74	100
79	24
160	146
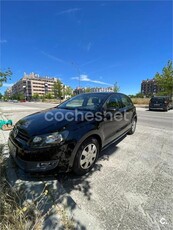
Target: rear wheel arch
133	123
135	117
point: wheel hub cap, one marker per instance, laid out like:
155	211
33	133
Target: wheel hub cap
88	156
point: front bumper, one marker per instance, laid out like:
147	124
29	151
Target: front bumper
31	166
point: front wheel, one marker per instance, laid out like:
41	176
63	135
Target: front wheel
86	156
133	126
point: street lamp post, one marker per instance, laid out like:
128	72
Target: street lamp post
24	90
46	87
78	71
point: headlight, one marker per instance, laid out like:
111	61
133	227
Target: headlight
54	138
49	139
37	139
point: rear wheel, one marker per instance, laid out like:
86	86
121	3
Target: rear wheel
86	156
133	126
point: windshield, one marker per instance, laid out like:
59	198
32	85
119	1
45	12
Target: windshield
84	102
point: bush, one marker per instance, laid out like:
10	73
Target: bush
140	101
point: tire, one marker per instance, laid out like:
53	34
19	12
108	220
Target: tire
86	156
167	108
133	127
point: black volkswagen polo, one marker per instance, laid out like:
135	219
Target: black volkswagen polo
70	136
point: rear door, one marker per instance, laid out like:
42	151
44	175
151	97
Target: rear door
113	120
128	110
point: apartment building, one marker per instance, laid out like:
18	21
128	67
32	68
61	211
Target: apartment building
102	89
93	90
149	87
32	84
8	92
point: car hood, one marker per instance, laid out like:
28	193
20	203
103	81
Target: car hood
45	121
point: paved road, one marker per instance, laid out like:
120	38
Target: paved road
22	106
155	119
145	117
131	185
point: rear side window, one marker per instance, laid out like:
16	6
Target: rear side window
126	101
113	102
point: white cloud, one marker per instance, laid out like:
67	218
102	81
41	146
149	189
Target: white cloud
53	57
7	84
91	61
69	11
3	41
84	77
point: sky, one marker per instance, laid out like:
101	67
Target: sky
103	42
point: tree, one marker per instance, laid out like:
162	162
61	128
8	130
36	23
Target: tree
88	90
35	96
1	96
57	89
42	98
68	91
131	96
139	95
18	96
165	80
4	76
116	88
49	96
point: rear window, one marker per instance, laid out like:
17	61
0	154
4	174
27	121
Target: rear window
158	100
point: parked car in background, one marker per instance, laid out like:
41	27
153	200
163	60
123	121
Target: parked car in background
15	101
161	103
71	135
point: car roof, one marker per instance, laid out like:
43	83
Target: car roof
105	93
160	97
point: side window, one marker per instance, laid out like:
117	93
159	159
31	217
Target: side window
113	101
75	103
126	101
93	101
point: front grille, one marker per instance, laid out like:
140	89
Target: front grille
21	134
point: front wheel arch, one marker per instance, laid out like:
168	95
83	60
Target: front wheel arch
77	167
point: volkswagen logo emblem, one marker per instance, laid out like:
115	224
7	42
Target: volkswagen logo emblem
15	133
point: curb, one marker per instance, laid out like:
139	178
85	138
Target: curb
141	106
